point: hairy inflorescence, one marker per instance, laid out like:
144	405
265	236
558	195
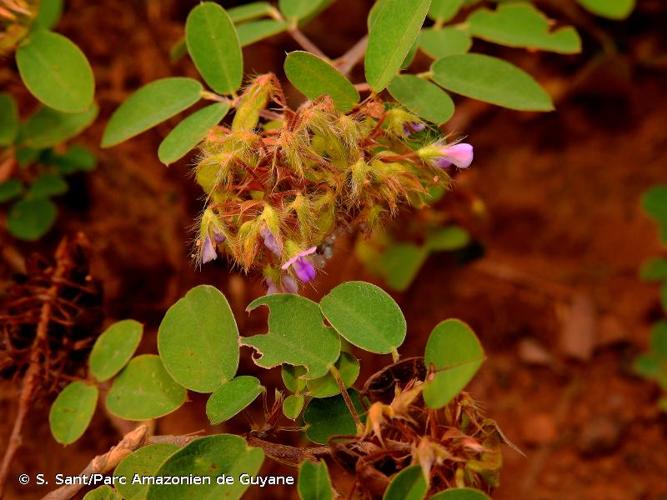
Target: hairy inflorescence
281	184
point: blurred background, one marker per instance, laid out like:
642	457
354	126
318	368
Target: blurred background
552	204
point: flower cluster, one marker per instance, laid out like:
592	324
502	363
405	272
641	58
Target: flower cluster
280	183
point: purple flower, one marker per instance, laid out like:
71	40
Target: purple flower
459	154
271	287
302	266
290	285
270	241
208	252
218	236
410	128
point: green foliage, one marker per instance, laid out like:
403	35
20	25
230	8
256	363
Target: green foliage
460	494
144	390
145	462
47	185
300	9
348	368
453	354
190	132
424	99
255	31
72	412
315	77
198	340
330	417
366	316
613	9
47	127
654	203
314	481
392	34
491	80
9	119
214	47
447	239
56	71
249	11
102	493
444	10
409	484
209	456
49	14
10	189
522	25
654	269
297	335
150	105
114	349
30	219
75	159
232	397
444	42
293	406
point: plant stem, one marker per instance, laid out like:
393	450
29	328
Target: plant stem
351	58
346	397
305	42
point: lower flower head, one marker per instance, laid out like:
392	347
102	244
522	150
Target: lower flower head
208	252
302	266
443	156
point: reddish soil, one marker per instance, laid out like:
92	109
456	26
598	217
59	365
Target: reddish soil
563	236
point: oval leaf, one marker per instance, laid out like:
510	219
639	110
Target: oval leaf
145	462
299	9
56	72
293	405
366	316
315	77
49	13
232	397
151	104
409	484
424	99
10	189
522	25
293	377
30	219
210	456
9	119
144	390
613	9
114	348
330	417
198	340
453	355
348	367
460	494
314	481
447	239
444	42
190	132
47	185
103	493
47	127
72	412
394	30
214	47
297	335
250	11
491	80
255	31
444	10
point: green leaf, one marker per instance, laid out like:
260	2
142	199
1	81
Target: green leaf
394	30
9	119
299	9
56	72
444	10
447	239
491	80
297	335
49	14
366	316
151	104
613	9
399	264
522	25
232	397
198	340
30	219
144	390
104	492
72	412
255	31
652	270
647	365
10	189
293	377
190	132
330	417
314	481
210	456
663	296
315	77
47	185
214	47
47	127
324	387
144	462
654	203
460	494
444	42
250	11
409	484
454	355
293	405
75	159
424	99
114	348
659	339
